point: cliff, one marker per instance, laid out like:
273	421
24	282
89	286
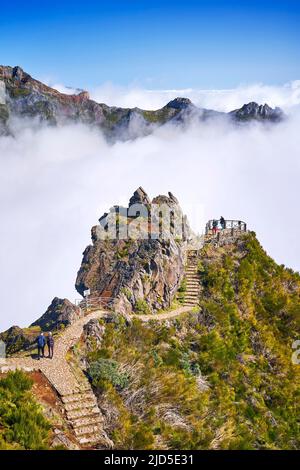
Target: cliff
135	273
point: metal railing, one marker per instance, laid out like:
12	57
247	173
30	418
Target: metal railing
215	225
92	302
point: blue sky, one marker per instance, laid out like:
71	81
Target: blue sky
155	44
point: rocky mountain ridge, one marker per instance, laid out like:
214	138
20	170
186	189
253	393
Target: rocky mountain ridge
26	97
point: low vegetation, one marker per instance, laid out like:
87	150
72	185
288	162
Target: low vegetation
218	378
22	423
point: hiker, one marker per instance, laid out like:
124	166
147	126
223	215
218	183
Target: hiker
50	344
223	223
215	226
41	345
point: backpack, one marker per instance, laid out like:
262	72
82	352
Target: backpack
41	341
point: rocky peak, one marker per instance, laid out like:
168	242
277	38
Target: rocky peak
18	73
257	111
139	197
170	200
61	312
180	103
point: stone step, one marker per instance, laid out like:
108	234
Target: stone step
77	397
87	420
87	430
82	413
80	404
90	438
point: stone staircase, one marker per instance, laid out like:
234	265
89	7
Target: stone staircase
85	418
192	280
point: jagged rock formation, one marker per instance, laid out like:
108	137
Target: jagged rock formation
26	97
136	273
60	313
254	111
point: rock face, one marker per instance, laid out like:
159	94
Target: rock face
139	274
93	333
254	111
60	313
27	97
16	338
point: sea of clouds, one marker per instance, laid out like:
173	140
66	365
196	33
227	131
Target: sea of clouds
286	96
56	182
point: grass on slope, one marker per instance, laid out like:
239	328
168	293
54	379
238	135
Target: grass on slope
220	378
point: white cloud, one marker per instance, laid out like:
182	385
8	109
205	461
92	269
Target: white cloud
55	183
221	100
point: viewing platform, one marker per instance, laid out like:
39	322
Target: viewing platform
220	232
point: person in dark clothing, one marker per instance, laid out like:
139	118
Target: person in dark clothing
50	344
215	227
41	342
223	223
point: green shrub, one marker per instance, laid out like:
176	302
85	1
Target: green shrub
22	424
141	307
107	370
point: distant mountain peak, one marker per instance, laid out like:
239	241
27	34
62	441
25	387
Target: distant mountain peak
180	103
258	111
